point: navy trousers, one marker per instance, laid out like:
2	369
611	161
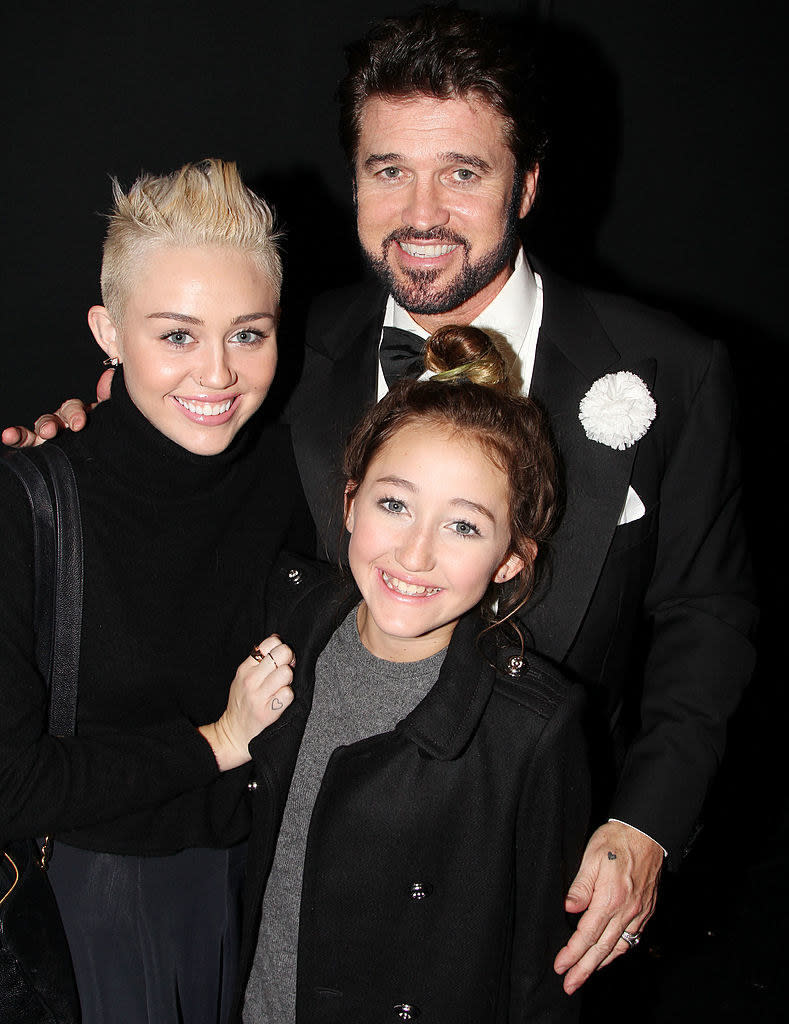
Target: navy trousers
154	940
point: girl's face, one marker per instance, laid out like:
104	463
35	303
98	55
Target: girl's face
198	343
429	529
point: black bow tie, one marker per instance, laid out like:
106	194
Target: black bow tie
402	354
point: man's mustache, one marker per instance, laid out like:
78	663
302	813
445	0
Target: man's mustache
414	237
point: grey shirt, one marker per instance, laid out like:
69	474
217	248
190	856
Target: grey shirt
356	696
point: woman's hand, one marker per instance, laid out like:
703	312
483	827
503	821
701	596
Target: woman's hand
259	694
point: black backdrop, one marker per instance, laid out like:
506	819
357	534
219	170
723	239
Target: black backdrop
665	180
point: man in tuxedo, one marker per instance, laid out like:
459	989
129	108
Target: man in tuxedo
649	599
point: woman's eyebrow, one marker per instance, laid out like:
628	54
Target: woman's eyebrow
187	319
183	317
252	316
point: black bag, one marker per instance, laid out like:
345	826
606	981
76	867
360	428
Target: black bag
37	983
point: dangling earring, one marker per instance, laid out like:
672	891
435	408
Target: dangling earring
112	361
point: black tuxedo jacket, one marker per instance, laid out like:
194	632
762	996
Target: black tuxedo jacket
654	616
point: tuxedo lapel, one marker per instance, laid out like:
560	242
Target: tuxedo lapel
573	350
339	382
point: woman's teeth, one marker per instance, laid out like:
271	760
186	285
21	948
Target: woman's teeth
409	589
204	408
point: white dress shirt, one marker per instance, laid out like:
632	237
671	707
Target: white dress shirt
512	320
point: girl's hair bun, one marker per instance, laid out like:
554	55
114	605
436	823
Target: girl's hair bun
455	353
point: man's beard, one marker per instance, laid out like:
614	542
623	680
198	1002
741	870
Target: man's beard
413	288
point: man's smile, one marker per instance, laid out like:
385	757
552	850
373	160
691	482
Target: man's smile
426	251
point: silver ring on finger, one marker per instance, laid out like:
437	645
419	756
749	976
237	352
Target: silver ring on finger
631	938
256	653
270	655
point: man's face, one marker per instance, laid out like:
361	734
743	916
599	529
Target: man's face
438	203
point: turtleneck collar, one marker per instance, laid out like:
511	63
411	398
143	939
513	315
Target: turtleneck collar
128	446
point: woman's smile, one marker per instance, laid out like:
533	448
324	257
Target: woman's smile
198	343
204	410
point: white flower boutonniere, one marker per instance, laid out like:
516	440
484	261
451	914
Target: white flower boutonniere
617	410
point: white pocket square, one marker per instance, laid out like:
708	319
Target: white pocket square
633	508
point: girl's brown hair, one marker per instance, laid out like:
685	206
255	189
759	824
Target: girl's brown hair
470	394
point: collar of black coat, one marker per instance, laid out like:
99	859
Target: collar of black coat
344	315
570	323
442	724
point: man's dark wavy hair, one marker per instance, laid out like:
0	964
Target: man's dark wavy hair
445	52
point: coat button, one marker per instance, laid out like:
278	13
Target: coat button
405	1011
252	785
514	665
294	576
420	890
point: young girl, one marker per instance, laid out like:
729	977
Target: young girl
421	806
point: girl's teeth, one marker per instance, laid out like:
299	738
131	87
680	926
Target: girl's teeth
409	589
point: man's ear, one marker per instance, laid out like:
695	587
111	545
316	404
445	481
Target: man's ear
529	190
104	331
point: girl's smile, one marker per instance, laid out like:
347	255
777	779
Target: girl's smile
429	531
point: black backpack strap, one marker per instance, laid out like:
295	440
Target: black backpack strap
57	541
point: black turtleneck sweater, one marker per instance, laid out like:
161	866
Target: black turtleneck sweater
177	549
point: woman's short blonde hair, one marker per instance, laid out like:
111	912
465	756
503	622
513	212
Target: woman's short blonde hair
203	203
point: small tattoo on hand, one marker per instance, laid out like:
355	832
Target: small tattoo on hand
611	856
276	704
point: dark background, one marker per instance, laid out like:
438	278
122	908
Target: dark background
666	180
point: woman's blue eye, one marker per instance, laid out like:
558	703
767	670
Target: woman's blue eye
464	529
178	337
248	337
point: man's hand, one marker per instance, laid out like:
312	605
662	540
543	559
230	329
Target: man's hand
614	891
72	415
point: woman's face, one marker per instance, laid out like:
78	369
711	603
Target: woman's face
198	343
429	531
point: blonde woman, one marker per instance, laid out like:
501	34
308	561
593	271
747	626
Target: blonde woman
186	497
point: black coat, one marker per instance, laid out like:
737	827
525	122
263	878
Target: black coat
653	616
438	853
